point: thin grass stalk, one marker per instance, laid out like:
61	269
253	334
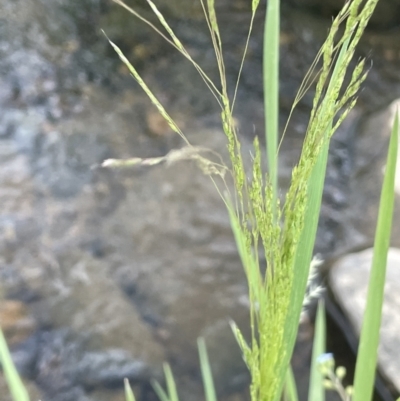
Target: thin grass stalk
14	382
174	43
290	392
171	385
208	382
161	394
271	88
316	390
129	395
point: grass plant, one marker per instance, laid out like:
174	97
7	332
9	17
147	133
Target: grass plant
284	226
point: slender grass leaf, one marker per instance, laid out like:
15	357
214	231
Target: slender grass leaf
129	396
316	390
161	394
290	391
171	386
369	339
314	198
206	373
305	248
271	87
14	382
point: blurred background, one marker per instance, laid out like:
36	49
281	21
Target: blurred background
106	274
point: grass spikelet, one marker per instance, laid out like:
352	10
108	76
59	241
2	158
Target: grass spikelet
165	24
148	92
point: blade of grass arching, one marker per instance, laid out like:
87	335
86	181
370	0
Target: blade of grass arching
161	394
171	386
14	382
129	396
271	88
369	338
206	373
316	390
290	390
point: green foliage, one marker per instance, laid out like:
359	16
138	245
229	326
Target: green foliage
17	388
316	391
290	390
171	394
369	341
287	233
129	396
333	378
206	373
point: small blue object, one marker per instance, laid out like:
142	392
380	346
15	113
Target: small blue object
325	358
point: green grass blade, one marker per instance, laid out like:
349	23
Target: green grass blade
206	373
316	390
307	240
129	396
14	382
271	87
290	392
171	386
305	248
369	339
161	394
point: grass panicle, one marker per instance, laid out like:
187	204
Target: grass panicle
286	232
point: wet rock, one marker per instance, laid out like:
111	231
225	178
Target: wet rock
386	14
370	152
107	369
25	355
111	395
108	321
188	246
15	321
33	391
349	281
65	370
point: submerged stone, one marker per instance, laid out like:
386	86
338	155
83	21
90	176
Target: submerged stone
349	281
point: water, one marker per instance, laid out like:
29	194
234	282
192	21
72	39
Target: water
122	270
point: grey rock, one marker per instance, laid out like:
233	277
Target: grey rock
111	368
349	281
370	152
386	15
65	371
